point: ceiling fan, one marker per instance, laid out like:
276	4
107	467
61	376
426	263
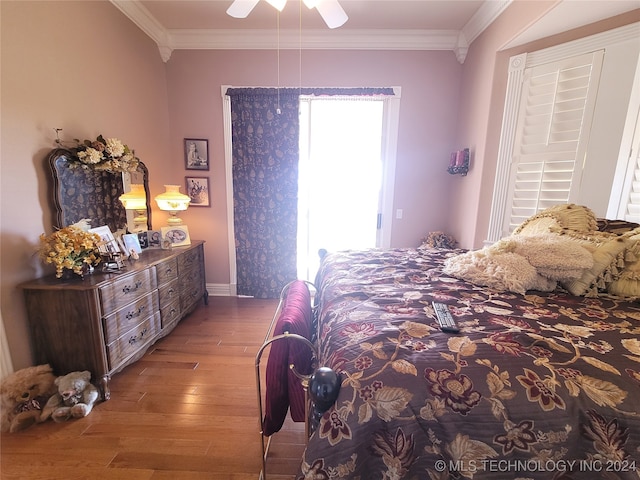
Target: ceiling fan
330	10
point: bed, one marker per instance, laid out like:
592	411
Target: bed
537	385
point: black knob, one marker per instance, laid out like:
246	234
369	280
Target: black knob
324	386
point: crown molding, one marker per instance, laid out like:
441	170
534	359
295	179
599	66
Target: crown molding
169	40
271	39
484	17
138	14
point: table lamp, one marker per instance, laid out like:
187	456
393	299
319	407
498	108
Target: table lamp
173	201
136	200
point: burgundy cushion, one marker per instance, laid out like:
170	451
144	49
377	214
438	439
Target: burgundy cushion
283	389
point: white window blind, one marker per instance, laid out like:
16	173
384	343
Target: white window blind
632	213
551	136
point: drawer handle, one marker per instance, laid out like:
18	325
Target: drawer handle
171	291
168	271
136	313
133	340
128	289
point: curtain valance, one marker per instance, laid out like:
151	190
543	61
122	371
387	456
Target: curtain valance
362	91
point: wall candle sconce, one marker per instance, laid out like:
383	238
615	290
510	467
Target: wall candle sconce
136	200
459	162
173	201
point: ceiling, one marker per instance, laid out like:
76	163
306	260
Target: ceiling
373	24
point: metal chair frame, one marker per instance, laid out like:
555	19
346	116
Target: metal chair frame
304	379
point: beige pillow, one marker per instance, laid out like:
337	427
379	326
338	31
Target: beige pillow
557	218
537	225
628	282
608	252
501	271
557	257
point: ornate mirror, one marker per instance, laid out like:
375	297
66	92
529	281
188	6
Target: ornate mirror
85	193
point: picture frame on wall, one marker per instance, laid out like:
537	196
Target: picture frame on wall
198	190
196	154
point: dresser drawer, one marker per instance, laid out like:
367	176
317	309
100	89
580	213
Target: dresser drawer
190	259
133	341
190	280
120	322
167	271
170	314
169	293
127	289
191	288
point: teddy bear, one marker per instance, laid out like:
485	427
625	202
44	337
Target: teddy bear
23	397
75	396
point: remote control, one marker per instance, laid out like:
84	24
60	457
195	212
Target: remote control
446	321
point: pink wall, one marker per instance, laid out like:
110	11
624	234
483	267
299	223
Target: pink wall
83	67
63	68
430	84
482	105
483	91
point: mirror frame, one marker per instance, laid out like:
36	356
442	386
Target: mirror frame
85	193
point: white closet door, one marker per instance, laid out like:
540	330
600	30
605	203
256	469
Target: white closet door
553	125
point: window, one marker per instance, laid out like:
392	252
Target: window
562	128
340	176
551	136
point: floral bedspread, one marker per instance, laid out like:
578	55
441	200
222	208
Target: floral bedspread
538	386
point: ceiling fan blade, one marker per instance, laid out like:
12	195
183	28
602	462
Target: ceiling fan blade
277	4
241	8
332	13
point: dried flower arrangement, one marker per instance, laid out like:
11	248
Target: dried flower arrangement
439	240
109	154
70	249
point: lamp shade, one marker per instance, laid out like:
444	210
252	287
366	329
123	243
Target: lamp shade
172	200
135	199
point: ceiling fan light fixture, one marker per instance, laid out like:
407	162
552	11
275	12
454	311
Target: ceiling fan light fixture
277	4
241	8
330	10
332	13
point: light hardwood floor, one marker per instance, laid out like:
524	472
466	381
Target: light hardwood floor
186	410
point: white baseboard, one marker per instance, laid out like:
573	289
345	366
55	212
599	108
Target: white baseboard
220	290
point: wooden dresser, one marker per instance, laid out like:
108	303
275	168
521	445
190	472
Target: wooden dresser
106	321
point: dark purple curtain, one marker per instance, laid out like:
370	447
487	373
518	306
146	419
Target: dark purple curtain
265	188
265	132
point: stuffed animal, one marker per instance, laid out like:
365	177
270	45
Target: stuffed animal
23	396
75	397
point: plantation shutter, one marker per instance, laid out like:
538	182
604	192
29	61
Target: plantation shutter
631	211
551	136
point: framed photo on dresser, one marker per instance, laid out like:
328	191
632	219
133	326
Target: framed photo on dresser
177	235
108	243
